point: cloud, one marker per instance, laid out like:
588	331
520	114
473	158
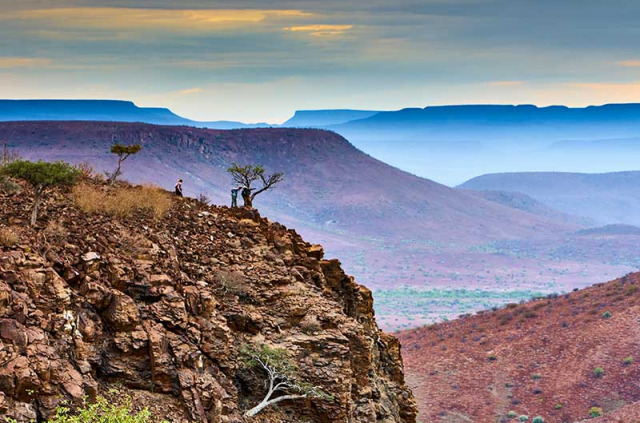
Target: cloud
23	62
128	19
506	83
629	63
321	30
190	91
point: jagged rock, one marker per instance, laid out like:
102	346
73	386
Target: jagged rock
158	320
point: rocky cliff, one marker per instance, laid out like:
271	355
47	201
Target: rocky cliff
161	308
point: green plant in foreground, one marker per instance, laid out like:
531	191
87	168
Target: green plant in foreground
606	315
598	372
511	414
628	361
537	419
523	418
41	176
595	412
101	411
558	406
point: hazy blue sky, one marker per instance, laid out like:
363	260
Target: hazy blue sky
261	60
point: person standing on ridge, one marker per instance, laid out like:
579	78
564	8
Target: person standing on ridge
234	196
179	188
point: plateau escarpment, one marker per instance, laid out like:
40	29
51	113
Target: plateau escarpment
162	308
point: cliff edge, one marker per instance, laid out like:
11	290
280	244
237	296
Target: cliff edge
162	307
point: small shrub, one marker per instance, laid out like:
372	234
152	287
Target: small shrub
536	376
598	372
122	202
104	411
606	315
628	361
537	419
55	231
233	283
523	418
87	172
7	186
632	290
558	406
492	357
511	414
595	412
8	237
311	325
204	199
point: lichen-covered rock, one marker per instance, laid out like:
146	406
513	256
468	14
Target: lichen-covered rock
162	308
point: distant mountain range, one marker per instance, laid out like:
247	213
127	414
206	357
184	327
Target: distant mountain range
101	110
449	144
606	198
322	118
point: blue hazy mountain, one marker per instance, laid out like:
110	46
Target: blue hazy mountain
102	110
322	118
607	198
454	143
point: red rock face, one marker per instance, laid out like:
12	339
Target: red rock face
536	359
162	307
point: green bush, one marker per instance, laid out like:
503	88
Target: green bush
536	376
537	419
558	406
606	315
595	412
511	414
628	361
598	372
102	411
523	418
41	176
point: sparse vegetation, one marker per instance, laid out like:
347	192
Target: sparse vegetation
558	406
628	361
41	176
492	357
123	152
281	375
233	283
204	199
606	315
598	372
103	411
511	414
523	418
8	237
538	419
536	376
595	412
247	175
122	202
311	325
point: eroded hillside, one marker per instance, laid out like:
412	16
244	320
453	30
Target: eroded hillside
162	308
555	357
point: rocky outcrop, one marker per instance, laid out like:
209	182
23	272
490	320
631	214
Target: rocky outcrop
161	308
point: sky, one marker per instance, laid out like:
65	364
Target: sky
259	61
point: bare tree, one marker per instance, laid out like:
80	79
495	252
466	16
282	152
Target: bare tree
282	383
247	175
123	152
7	156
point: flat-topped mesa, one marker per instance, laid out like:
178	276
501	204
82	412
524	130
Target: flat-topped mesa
162	308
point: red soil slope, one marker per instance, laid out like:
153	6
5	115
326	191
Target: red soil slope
536	358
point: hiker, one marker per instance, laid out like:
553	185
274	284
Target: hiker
246	196
179	188
234	196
